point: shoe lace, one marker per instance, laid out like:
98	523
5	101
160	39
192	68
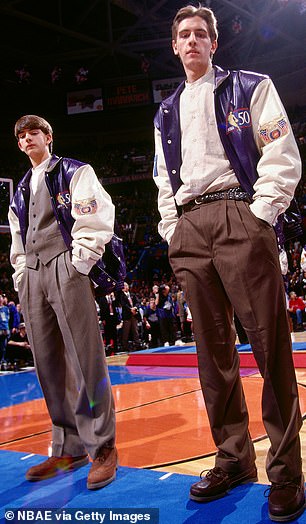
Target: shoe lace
275	486
52	459
103	454
215	472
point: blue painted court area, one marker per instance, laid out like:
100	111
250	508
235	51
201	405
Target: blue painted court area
20	387
170	349
130	374
134	488
296	346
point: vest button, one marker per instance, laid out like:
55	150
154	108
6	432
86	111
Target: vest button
173	171
169	141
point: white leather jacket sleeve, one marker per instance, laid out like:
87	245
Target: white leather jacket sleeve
94	214
279	168
17	254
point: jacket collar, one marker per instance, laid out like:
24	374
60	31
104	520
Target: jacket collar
54	160
220	75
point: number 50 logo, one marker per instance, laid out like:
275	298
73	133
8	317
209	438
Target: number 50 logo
238	118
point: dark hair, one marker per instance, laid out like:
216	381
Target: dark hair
32	122
203	12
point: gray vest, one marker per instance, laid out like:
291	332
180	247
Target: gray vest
44	240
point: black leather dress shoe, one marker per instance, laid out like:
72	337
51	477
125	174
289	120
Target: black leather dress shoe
287	500
217	483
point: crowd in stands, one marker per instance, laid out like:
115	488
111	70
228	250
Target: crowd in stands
146	313
15	350
144	317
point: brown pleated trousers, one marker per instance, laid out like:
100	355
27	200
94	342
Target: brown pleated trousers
227	259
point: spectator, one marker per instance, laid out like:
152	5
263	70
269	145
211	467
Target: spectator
296	309
14	316
152	323
110	320
4	330
18	348
130	317
166	315
303	283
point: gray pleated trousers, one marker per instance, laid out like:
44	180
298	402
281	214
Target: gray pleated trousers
62	325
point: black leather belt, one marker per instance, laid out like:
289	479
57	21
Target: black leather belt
235	193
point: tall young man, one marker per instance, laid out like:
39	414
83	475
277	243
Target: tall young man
226	158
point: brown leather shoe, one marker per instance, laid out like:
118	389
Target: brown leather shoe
54	466
103	469
217	483
287	500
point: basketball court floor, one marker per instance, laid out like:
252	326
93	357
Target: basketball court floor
162	433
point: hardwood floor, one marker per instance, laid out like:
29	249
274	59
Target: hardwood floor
194	467
159	421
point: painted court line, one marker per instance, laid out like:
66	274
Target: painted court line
164	477
28	456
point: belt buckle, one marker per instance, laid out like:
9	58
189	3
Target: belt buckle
197	202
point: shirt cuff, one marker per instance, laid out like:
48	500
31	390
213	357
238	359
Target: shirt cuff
82	266
264	211
17	279
169	233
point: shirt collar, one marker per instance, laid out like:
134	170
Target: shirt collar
209	75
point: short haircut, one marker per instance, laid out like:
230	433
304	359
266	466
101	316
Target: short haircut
203	12
32	122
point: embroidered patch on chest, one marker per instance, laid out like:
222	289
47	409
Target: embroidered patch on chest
63	199
238	119
86	207
274	129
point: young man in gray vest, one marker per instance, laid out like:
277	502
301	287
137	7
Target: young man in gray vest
60	220
226	158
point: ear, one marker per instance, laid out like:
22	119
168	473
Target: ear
49	138
174	47
214	46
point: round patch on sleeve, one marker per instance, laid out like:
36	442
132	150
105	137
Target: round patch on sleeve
86	207
274	129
